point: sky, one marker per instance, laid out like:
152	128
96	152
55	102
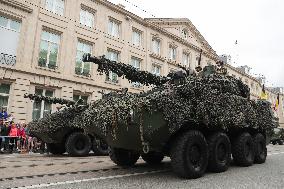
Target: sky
257	25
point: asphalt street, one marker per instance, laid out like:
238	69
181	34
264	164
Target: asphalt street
53	172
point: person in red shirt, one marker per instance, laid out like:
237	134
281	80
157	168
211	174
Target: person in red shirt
22	137
13	136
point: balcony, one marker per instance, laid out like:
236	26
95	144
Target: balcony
7	60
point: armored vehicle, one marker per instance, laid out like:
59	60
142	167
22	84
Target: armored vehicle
59	132
197	119
277	136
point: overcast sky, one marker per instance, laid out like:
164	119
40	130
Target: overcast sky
257	25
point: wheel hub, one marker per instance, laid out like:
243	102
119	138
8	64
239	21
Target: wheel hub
80	144
195	155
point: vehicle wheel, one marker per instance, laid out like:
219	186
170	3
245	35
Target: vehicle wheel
260	148
100	147
280	142
273	142
153	158
219	147
78	144
123	157
189	155
56	149
243	150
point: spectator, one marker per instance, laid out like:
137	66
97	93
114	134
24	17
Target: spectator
5	132
2	139
13	136
3	114
22	137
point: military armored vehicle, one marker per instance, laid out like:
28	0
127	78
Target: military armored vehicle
277	136
198	120
60	134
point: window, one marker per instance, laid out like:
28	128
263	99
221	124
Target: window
48	53
185	59
172	53
4	95
55	6
113	56
114	28
10	24
156	70
156	46
184	34
10	31
82	68
87	18
136	37
136	63
41	109
76	97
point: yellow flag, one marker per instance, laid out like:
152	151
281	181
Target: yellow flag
263	94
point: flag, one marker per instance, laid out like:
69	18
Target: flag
263	94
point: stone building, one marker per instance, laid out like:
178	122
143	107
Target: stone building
42	42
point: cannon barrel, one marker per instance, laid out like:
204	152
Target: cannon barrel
52	100
129	72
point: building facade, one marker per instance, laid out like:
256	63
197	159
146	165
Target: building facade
42	42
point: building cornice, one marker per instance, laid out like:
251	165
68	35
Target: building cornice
156	27
17	5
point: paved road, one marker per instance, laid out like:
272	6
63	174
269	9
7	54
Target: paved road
51	172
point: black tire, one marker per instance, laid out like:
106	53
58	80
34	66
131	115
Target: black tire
243	150
56	148
280	142
100	147
153	158
123	157
189	155
260	148
78	144
273	142
219	146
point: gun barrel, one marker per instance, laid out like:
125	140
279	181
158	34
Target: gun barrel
52	100
128	71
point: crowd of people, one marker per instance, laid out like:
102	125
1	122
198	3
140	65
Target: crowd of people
14	137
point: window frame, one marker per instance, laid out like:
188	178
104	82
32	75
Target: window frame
91	12
53	10
80	95
172	52
83	63
135	30
159	42
188	59
49	43
155	65
9	21
42	103
6	95
109	76
134	61
118	23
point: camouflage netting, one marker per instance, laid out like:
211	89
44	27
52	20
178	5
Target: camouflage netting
52	122
214	101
